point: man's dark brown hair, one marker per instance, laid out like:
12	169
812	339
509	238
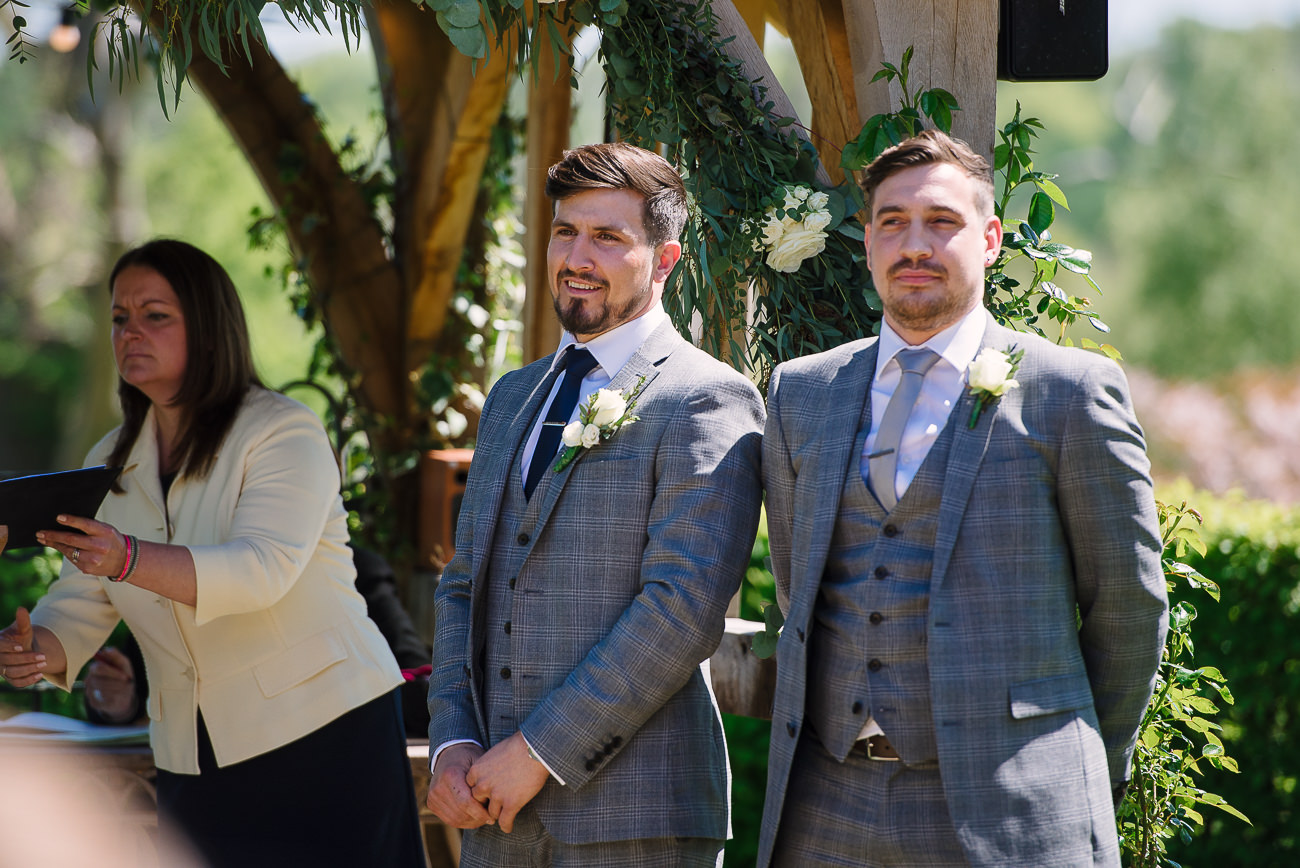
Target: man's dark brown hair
620	166
931	147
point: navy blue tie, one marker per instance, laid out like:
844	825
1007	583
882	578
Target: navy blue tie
576	364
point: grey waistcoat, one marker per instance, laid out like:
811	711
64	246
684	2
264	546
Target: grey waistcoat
868	643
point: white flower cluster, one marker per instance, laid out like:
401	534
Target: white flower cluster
790	240
605	408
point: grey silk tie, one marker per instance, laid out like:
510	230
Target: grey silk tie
883	460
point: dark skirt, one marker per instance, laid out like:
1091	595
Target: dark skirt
339	796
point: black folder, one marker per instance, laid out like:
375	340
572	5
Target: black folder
32	503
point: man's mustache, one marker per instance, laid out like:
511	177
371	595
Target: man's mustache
570	275
924	266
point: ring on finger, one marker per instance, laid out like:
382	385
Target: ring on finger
75	555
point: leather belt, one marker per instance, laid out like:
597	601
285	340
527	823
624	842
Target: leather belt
876	747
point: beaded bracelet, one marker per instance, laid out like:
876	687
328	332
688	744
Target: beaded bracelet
132	555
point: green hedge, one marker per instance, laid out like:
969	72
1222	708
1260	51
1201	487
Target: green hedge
1253	637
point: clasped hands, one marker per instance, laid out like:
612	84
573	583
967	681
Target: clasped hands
472	788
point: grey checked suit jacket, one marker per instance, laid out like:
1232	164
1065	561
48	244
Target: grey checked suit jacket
1047	505
640	545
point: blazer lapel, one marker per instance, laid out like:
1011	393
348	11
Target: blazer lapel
849	392
645	362
497	477
966	455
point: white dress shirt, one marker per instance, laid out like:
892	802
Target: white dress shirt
957	347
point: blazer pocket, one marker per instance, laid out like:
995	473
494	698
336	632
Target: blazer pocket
1050	695
295	665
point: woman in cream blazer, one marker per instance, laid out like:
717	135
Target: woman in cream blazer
273	711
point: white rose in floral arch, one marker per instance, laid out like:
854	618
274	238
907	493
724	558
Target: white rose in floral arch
607	407
818	201
817	221
794	247
590	435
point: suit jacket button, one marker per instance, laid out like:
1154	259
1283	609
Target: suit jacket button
874	665
618	741
507	628
857	708
522	539
874	617
512	584
882	572
591	765
505	672
799	633
890	530
792	729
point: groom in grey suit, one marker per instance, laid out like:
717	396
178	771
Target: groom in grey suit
970	569
570	719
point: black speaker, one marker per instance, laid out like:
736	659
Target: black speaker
1052	40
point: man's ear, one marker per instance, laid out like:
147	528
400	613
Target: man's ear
667	256
992	239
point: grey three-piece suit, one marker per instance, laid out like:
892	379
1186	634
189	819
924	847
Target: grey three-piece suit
952	618
581	616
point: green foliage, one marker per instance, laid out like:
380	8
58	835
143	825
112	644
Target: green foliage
447	384
1178	732
886	130
24	577
170	30
1028	240
740	165
748	739
1182	182
1252	549
19	42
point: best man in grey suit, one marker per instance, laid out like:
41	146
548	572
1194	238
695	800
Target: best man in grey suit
976	605
574	618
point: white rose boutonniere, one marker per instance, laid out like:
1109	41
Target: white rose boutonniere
606	411
991	376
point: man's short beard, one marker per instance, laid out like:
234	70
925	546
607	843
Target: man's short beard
584	317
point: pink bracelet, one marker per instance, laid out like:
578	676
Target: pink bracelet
132	555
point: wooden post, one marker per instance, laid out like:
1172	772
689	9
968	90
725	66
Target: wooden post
816	30
955	45
550	114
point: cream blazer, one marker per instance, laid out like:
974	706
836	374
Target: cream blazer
278	643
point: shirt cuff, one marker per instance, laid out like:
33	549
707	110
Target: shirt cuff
532	753
433	757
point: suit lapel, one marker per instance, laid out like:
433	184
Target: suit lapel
497	477
645	362
849	392
969	445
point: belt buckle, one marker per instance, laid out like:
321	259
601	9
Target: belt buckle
879	742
